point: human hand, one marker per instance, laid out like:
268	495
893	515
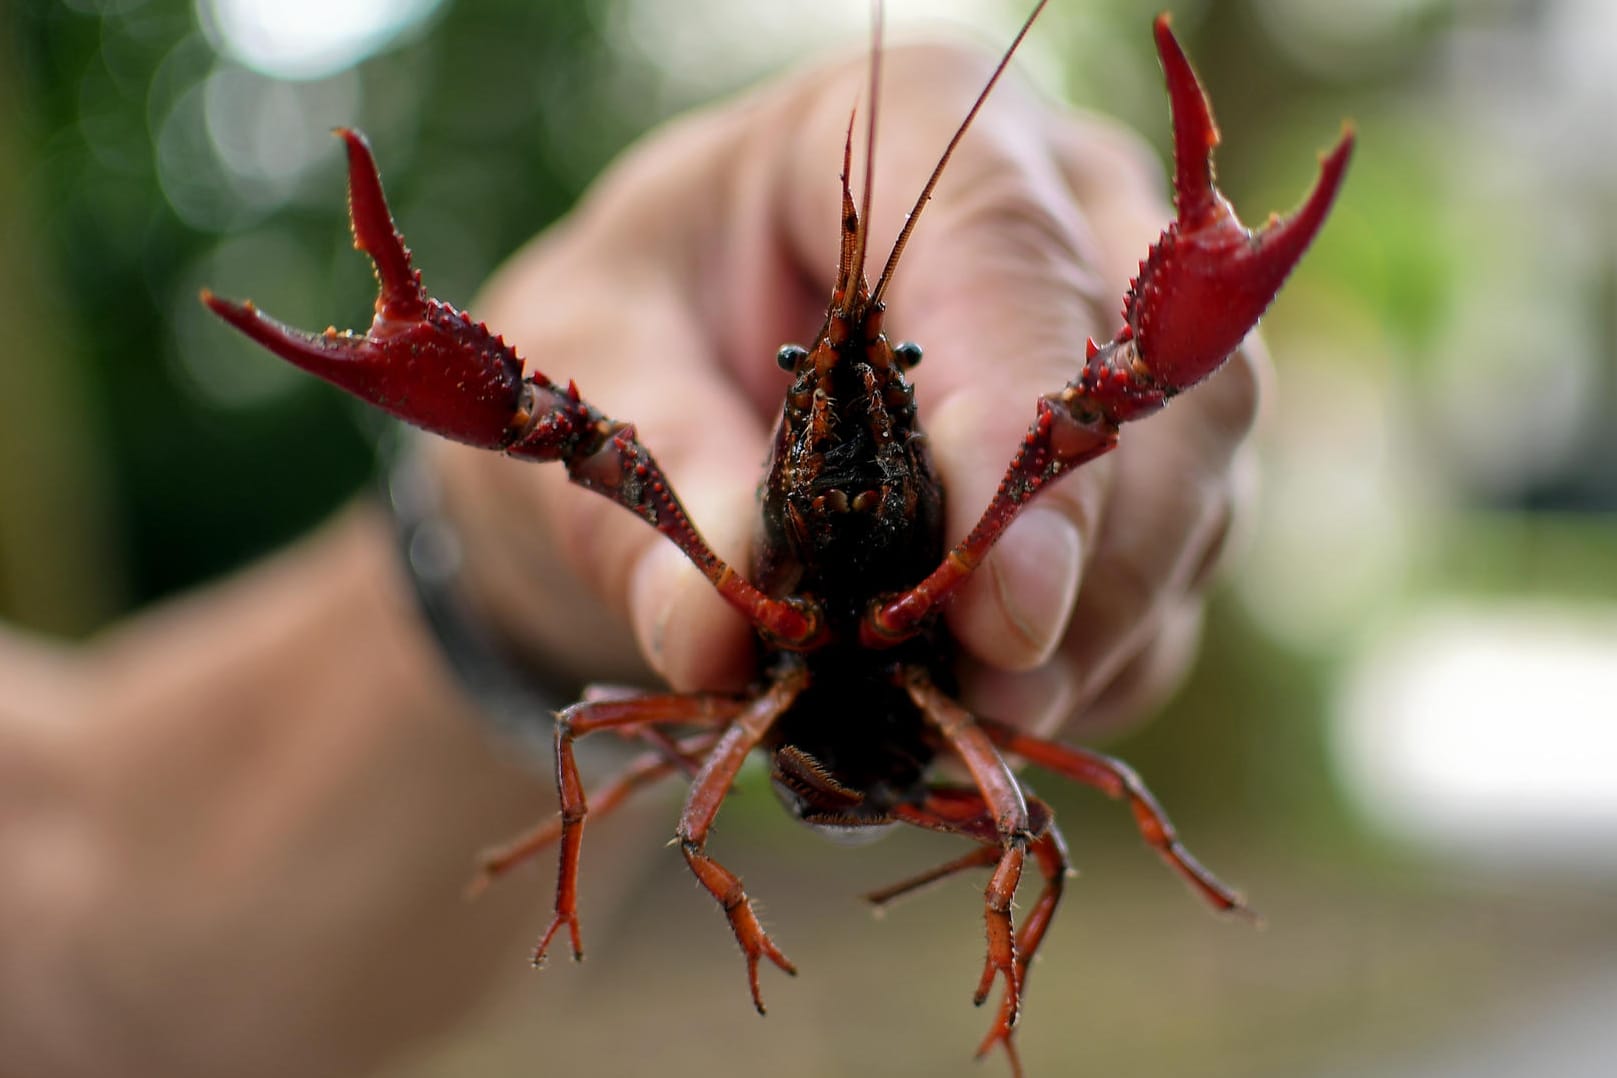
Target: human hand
666	294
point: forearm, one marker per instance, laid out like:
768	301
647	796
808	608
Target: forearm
322	635
237	827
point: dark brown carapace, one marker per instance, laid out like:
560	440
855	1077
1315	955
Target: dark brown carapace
853	700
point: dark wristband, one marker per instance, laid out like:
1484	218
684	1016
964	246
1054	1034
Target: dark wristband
518	699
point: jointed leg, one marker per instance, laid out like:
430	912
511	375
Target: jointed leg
642	771
1007	813
655	738
955	810
1117	780
702	806
964	812
645	712
981	857
1050	851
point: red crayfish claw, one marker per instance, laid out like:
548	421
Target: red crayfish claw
1208	279
421	360
431	365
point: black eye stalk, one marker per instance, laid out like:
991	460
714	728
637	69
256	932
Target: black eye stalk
908	355
789	356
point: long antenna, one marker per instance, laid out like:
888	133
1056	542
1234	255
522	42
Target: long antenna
926	192
858	274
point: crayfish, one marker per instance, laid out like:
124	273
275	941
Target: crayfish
854	696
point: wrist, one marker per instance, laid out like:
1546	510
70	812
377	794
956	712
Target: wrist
515	688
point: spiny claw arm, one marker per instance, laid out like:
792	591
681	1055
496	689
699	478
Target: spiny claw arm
431	365
1200	290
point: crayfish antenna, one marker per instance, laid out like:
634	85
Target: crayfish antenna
856	274
1208	279
948	152
850	269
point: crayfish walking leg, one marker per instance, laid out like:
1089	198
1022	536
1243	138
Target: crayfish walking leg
642	771
702	806
1013	829
624	715
1118	780
958	811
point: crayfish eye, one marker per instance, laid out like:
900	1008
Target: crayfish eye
907	355
789	356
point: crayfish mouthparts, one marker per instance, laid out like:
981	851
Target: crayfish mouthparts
853	696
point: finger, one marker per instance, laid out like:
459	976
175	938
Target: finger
1233	534
1170	508
1149	678
1041	700
1116	177
516	581
1056	697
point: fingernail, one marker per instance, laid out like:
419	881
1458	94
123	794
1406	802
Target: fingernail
1036	568
654	596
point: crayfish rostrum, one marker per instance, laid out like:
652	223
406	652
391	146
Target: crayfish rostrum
853	700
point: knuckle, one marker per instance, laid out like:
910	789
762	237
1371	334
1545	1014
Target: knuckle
598	540
1211	557
1233	396
1098	153
1016	224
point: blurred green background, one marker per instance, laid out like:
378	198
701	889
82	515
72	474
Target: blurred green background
1402	736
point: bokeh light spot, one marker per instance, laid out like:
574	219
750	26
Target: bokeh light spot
1489	729
308	39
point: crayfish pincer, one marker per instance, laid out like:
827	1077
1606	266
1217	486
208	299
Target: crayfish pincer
855	693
